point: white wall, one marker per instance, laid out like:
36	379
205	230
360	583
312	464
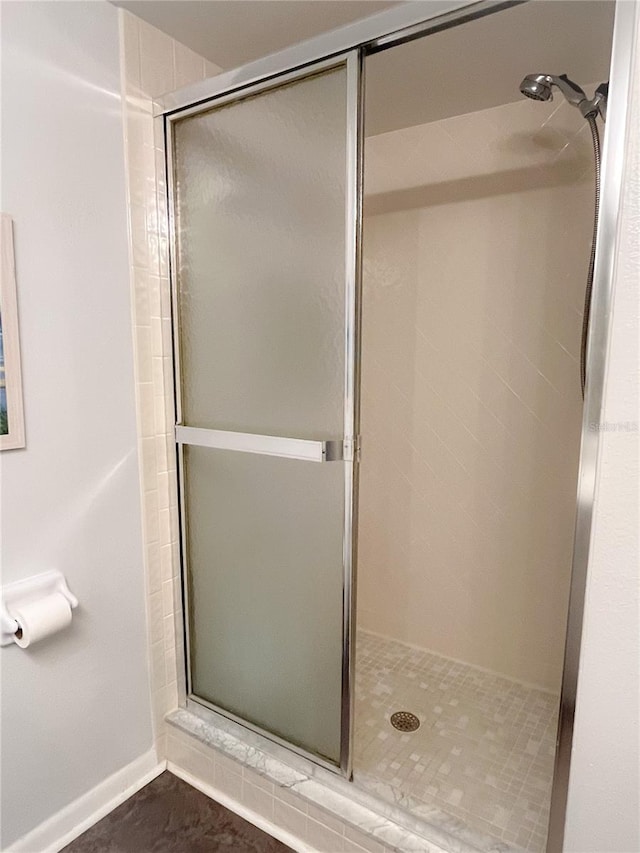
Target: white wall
603	810
76	708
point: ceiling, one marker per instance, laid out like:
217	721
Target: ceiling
233	32
473	66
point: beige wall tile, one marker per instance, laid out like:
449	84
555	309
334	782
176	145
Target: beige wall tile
258	800
158	664
155	617
192	760
188	66
130	35
156	60
289	818
228	781
470	345
324	839
154	567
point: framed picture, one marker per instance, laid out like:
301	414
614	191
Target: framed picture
11	412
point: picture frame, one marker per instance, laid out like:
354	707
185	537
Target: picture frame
12	434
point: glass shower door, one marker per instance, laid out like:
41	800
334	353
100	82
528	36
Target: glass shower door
265	234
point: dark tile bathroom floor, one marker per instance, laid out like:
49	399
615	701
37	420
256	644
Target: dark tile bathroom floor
169	816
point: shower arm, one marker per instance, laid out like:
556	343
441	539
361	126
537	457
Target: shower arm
574	94
578	97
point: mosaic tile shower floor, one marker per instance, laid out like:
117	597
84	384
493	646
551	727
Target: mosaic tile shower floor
483	753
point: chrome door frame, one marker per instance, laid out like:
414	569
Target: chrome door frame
613	163
319	451
414	20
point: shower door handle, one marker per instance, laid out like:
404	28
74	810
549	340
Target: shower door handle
268	445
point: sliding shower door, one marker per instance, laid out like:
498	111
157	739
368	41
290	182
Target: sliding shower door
264	189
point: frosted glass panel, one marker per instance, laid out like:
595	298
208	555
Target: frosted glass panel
260	220
264	552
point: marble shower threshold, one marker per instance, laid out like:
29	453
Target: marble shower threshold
384	822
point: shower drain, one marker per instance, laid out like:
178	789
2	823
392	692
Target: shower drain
405	721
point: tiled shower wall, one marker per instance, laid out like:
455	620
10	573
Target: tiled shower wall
477	240
152	64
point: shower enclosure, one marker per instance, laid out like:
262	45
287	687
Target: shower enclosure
266	186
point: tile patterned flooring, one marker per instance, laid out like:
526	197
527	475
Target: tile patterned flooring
483	753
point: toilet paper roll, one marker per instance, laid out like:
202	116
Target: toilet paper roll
41	618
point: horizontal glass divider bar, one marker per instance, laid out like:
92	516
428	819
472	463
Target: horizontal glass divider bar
264	445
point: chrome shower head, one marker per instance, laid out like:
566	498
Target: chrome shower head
537	87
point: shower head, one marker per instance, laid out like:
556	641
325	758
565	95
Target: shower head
539	87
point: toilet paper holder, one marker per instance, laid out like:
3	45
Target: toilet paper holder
26	591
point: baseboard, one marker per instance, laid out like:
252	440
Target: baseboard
71	821
234	806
